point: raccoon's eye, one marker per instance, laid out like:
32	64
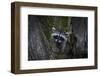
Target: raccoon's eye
62	39
55	37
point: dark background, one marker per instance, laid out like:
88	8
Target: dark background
39	30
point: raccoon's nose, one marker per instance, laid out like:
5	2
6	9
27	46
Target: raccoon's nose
56	40
59	41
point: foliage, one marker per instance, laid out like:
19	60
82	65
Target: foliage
60	23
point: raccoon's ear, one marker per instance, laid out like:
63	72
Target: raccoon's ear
53	29
67	33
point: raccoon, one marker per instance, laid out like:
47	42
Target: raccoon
59	40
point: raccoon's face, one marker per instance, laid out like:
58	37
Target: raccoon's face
59	38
